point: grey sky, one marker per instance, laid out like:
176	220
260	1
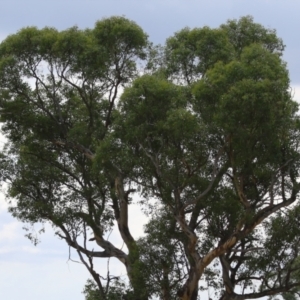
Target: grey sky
42	272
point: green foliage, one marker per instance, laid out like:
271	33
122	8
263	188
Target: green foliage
191	53
244	32
206	137
116	291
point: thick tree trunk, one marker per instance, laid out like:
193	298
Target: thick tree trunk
229	296
190	289
121	214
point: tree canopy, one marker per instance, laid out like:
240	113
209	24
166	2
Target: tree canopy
202	132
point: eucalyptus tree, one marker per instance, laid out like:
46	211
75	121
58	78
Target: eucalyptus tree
58	92
206	136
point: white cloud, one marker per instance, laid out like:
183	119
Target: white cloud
6	249
296	93
3	204
53	279
19	250
32	250
9	231
137	220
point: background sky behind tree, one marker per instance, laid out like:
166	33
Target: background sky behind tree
45	272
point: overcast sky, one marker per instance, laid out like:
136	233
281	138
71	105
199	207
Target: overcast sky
44	272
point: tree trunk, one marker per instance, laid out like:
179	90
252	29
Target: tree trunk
190	289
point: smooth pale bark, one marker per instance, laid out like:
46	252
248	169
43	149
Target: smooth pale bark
190	288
